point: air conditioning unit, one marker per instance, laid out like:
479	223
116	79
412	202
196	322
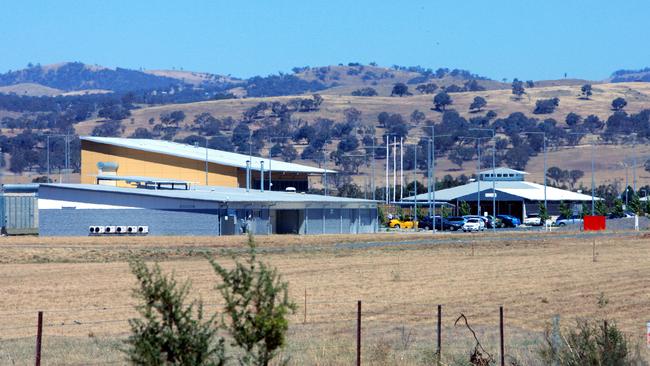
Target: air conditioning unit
120	229
143	230
94	230
110	229
131	229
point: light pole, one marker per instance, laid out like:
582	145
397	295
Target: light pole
206	157
593	181
372	183
478	171
494	192
544	138
282	138
66	152
431	175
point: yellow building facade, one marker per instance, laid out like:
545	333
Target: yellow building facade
135	162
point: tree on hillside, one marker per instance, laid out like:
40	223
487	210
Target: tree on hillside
574	176
441	101
428	88
618	104
585	91
546	106
141	133
477	104
417	116
382	118
400	89
530	84
572	119
461	155
518	156
556	174
365	92
518	89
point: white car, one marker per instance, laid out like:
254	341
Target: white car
533	220
473	224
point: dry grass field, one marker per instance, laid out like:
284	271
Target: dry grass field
84	287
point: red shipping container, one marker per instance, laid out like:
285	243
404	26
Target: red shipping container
594	223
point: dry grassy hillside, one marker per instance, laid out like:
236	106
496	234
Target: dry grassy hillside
609	159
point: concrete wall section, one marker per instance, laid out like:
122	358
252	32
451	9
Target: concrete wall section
73	222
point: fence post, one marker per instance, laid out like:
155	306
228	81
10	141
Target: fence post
503	356
439	333
359	333
304	319
39	336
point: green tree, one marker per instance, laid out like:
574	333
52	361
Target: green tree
441	101
543	212
618	104
170	331
518	88
565	209
585	210
601	208
400	89
617	209
257	306
477	104
585	91
464	208
634	204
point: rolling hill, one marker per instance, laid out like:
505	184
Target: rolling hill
337	85
609	166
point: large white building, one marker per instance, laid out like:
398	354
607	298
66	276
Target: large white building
508	188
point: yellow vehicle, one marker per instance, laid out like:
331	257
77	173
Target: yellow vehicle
404	224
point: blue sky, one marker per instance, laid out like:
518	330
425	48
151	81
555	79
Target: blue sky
500	39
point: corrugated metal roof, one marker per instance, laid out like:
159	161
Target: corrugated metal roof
217	194
198	153
502	170
526	190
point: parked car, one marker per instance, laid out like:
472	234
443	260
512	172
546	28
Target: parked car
404	224
533	220
474	224
455	222
625	214
425	222
564	220
494	222
509	221
483	219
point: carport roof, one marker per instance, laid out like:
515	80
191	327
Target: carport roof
525	190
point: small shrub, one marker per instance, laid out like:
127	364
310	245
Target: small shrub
589	343
257	305
170	331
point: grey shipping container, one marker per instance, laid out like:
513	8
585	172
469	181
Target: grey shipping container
19	214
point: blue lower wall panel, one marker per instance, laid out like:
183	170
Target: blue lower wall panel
73	222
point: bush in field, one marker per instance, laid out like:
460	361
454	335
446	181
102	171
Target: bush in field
171	331
589	343
257	305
